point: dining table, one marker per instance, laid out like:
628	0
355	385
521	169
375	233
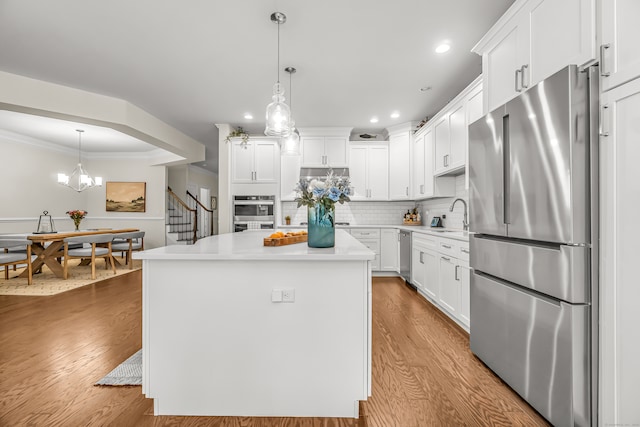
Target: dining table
51	253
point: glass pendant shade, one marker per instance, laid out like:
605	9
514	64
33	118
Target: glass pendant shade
278	114
290	145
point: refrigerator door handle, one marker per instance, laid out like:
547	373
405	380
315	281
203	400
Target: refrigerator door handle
505	169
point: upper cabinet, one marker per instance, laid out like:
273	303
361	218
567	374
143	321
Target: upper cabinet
450	132
324	147
619	52
256	161
400	161
369	170
531	41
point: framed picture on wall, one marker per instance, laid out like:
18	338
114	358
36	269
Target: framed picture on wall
126	196
214	203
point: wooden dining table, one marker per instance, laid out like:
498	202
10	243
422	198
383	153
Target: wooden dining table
49	255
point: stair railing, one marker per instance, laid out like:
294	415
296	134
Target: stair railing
206	215
181	218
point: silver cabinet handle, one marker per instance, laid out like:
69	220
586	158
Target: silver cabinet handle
421	188
523	68
604	118
603	72
463	250
445	258
364	234
455	274
421	255
518	71
407	190
446	246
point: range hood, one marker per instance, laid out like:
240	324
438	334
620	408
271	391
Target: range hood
321	173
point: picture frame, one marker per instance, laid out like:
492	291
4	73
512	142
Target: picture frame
126	196
214	203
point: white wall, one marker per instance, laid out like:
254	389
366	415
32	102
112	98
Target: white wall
28	178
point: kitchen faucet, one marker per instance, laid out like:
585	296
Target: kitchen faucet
465	222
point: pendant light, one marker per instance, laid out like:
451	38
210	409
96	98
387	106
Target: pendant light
290	145
79	179
278	113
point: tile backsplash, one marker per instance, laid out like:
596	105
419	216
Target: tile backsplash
389	213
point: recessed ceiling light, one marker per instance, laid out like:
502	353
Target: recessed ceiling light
374	120
425	89
444	47
395	115
248	116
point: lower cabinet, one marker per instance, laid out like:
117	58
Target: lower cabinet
440	270
389	249
370	237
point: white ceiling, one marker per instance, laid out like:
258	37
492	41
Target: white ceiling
200	62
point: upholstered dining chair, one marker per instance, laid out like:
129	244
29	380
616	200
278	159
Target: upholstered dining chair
128	242
93	251
15	257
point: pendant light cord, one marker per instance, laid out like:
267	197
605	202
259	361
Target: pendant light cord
278	79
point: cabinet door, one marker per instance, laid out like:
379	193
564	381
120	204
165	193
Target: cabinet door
358	171
449	297
474	112
418	267
441	141
389	249
312	151
563	33
458	137
266	161
463	275
619	237
335	150
620	35
418	167
508	54
289	176
242	162
378	172
399	166
429	163
432	273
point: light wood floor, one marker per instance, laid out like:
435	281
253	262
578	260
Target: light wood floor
53	349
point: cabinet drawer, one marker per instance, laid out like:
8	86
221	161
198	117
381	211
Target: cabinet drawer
425	240
463	251
365	233
448	247
374	245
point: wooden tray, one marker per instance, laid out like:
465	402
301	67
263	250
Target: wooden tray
405	222
281	241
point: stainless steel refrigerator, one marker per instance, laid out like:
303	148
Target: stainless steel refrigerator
533	206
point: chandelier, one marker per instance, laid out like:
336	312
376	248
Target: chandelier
79	179
278	112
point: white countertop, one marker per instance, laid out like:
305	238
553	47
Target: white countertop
248	245
439	232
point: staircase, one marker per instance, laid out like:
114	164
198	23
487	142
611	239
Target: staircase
181	221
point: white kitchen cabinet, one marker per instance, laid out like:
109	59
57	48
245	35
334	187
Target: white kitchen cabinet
369	171
389	249
324	151
533	40
400	162
620	32
257	161
464	277
418	271
449	295
370	237
418	170
619	237
474	112
289	177
435	186
424	264
441	143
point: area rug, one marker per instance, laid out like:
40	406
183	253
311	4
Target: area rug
128	372
46	283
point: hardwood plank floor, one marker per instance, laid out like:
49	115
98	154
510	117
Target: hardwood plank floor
53	349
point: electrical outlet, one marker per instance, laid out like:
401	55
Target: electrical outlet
288	295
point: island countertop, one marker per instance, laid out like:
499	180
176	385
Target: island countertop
248	245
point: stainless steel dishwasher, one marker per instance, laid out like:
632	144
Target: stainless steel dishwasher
405	255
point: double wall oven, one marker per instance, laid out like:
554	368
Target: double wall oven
253	212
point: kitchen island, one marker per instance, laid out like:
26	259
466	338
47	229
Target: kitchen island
233	328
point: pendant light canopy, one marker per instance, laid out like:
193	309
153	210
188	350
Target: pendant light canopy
278	113
79	180
290	145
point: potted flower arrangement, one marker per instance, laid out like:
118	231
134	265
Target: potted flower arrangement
320	198
77	216
287	220
238	133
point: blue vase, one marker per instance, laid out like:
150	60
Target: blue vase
322	230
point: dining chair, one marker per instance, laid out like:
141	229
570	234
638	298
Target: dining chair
128	242
93	251
13	255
